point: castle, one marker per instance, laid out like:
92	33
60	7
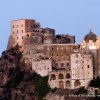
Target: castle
69	65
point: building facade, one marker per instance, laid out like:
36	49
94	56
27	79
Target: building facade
67	64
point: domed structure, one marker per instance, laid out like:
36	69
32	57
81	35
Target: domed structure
90	36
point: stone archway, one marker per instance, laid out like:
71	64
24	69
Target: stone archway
61	84
77	83
68	84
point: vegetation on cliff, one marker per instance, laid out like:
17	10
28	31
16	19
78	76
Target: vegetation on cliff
17	81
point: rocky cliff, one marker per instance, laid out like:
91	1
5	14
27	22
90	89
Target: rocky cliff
17	82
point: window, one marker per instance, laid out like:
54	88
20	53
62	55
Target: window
77	83
88	66
57	54
68	75
22	31
67	64
60	76
56	64
52	54
22	37
68	84
52	48
13	26
53	77
27	35
62	65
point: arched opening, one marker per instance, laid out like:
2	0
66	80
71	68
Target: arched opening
60	76
68	84
61	84
68	75
53	77
77	83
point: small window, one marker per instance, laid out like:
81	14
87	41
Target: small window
57	54
22	37
22	31
62	65
52	54
27	35
52	48
56	64
67	64
88	66
60	76
68	75
13	26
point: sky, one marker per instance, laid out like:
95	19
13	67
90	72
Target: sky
74	17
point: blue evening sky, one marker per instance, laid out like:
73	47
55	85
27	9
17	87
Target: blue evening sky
73	17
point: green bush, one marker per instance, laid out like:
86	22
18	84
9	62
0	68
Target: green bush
95	83
81	90
42	86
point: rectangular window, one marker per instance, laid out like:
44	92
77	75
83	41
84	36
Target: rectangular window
22	31
62	65
67	64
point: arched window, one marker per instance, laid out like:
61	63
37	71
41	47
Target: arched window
52	77
60	76
77	83
61	84
68	84
68	75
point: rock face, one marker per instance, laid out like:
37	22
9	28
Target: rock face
61	94
16	81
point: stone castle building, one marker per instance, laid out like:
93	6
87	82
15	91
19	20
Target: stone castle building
69	65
